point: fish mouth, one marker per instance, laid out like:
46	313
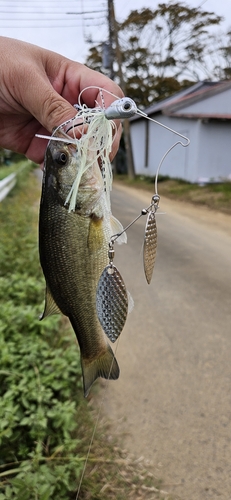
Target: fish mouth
75	128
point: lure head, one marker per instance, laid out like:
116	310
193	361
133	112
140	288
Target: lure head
121	108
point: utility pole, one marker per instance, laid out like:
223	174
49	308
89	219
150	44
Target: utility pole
113	36
110	43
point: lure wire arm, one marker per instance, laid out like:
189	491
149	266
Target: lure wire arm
152	207
183	144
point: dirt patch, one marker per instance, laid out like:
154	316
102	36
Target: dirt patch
201	213
216	197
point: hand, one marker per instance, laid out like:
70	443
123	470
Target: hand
37	91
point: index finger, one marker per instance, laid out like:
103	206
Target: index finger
80	79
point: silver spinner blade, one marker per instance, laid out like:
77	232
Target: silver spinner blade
150	245
111	302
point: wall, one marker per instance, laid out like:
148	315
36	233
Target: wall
177	162
207	156
214	156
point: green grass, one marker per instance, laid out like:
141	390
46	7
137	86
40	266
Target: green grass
14	166
5	171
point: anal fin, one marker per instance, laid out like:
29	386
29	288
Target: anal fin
105	366
50	305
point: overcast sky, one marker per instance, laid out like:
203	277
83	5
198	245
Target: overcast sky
58	25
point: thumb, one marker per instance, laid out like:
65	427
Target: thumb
47	106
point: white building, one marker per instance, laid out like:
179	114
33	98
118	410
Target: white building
203	114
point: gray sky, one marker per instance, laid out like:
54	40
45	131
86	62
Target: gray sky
46	22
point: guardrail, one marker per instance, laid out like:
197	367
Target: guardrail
6	185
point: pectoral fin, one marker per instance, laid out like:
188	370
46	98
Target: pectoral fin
50	305
95	235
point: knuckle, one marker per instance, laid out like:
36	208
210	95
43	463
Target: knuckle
55	110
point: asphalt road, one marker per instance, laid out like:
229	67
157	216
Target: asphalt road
172	403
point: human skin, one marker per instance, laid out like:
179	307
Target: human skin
38	89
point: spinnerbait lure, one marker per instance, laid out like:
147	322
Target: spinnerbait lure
94	145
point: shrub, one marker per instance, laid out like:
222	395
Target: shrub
40	374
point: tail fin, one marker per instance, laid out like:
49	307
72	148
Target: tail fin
105	366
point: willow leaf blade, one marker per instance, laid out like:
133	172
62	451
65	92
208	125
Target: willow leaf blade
150	246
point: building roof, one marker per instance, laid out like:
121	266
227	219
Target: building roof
175	104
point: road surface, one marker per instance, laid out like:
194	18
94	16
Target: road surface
172	402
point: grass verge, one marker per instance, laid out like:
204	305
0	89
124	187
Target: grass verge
45	423
15	166
215	196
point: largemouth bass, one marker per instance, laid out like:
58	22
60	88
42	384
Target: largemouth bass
73	248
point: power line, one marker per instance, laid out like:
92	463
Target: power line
53	26
51	19
37	26
37	2
85	14
46	15
47	12
47	4
99	22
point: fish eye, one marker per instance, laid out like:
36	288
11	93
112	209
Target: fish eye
61	158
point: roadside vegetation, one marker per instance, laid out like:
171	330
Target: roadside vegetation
215	196
165	49
45	423
14	163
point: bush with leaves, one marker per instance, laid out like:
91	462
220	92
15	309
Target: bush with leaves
40	374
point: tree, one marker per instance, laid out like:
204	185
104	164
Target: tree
164	50
223	66
177	40
94	59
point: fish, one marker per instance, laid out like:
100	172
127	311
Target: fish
73	249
